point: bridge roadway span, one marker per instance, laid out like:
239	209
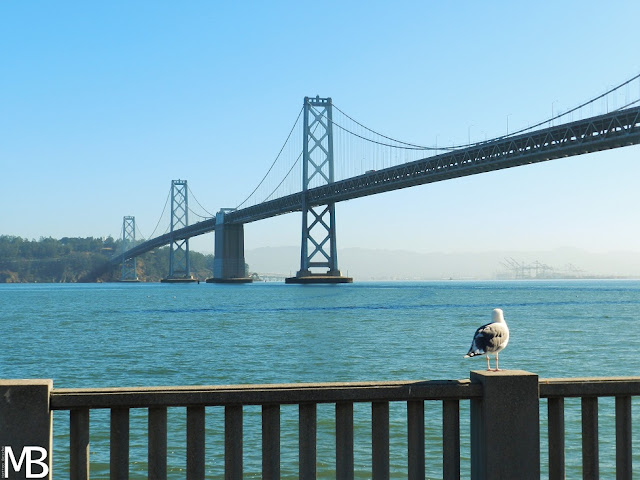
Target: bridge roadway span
612	130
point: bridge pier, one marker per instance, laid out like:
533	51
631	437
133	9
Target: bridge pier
318	221
228	260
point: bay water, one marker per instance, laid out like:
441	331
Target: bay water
126	335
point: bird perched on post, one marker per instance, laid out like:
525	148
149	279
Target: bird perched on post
490	338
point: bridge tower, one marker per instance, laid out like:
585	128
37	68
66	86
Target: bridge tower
319	248
179	265
129	272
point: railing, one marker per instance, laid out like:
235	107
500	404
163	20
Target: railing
270	397
589	389
504	418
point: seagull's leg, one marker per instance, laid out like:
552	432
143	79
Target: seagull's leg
497	368
488	365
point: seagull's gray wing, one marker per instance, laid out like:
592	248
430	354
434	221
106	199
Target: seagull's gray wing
488	339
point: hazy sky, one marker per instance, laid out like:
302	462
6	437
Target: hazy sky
102	104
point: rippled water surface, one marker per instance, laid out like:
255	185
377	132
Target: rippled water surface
156	334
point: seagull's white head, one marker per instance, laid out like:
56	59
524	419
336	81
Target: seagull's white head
498	316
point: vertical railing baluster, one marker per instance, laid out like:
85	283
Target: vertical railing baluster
344	441
623	438
79	444
157	443
555	412
119	444
307	441
451	439
233	442
271	441
195	443
415	438
380	440
590	463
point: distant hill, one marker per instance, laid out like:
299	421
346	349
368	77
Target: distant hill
371	264
87	260
71	260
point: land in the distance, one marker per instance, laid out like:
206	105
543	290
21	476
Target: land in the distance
70	260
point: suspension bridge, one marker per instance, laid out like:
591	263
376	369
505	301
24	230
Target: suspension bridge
310	177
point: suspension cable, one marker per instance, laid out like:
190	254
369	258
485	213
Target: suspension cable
291	169
162	214
411	146
206	211
415	147
627	105
577	108
285	177
274	162
198	215
142	237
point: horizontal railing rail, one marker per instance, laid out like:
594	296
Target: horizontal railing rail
281	394
589	387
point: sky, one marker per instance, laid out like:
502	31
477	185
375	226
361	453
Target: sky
102	104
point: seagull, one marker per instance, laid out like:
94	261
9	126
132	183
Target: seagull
490	338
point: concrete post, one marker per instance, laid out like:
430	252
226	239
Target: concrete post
505	428
25	429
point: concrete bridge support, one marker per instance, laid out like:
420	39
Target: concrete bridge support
228	261
319	248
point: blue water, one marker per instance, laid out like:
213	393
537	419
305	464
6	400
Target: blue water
155	334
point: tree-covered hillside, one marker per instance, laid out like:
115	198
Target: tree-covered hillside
82	260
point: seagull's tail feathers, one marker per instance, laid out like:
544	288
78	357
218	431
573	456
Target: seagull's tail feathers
474	351
479	344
